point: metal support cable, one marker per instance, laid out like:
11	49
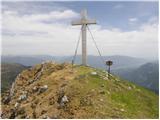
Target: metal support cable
76	50
103	61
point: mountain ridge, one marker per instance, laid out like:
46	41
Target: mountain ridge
121	61
51	90
147	75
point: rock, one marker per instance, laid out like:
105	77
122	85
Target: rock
25	92
43	88
105	78
93	73
38	76
129	88
6	100
64	100
22	97
30	81
35	88
108	92
12	89
16	105
122	110
60	94
39	73
101	100
12	114
45	117
18	76
27	117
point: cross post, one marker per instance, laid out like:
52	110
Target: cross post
84	21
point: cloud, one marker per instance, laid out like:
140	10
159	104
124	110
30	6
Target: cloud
118	6
52	16
133	19
29	34
13	22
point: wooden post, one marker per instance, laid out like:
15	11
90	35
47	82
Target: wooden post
109	63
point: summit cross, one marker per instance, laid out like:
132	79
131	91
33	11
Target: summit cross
84	21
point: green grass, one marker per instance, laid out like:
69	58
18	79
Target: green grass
124	103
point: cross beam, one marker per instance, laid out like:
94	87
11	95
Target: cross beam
84	21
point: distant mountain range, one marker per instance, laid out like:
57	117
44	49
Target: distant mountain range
140	71
94	61
147	75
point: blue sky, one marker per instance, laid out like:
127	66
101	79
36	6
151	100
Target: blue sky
117	14
120	24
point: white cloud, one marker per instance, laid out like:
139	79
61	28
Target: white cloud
54	15
30	36
51	16
133	19
118	6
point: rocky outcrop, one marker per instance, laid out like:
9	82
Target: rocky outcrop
28	86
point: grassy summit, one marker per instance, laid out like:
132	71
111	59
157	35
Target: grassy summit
81	92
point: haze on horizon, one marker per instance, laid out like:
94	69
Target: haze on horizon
36	28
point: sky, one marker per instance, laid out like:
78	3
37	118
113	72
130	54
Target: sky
44	28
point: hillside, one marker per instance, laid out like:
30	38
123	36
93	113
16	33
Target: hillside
9	71
51	90
147	75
